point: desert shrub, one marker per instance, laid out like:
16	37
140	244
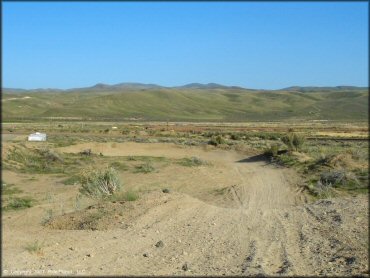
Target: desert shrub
119	166
192	161
34	247
287	159
273	136
216	140
211	134
265	135
17	203
131	196
320	190
332	160
339	178
293	141
49	155
99	183
272	150
125	196
71	180
48	216
62	141
145	168
288	140
324	186
235	136
37	160
359	153
298	141
324	159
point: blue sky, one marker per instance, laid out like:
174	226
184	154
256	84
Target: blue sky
256	45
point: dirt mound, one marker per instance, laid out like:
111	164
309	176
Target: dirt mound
110	214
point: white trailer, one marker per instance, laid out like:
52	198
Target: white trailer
37	137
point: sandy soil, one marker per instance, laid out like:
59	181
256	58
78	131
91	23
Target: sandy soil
260	225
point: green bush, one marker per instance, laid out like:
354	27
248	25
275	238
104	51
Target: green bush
99	183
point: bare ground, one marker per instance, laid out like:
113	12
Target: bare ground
239	216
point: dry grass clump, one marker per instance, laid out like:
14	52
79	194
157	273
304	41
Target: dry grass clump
145	168
192	162
99	183
342	160
34	247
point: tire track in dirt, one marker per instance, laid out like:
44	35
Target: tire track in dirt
264	192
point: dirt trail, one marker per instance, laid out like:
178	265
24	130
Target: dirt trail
264	229
263	195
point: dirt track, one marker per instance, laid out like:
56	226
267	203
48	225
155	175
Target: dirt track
260	225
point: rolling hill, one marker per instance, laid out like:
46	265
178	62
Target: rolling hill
192	102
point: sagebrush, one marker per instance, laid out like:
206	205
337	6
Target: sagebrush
100	183
293	141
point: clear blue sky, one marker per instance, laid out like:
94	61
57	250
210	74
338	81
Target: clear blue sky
255	45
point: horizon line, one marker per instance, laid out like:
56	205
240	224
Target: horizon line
177	86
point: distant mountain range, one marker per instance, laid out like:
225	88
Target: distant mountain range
200	86
126	86
191	102
322	89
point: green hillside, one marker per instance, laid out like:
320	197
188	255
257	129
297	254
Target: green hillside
184	104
